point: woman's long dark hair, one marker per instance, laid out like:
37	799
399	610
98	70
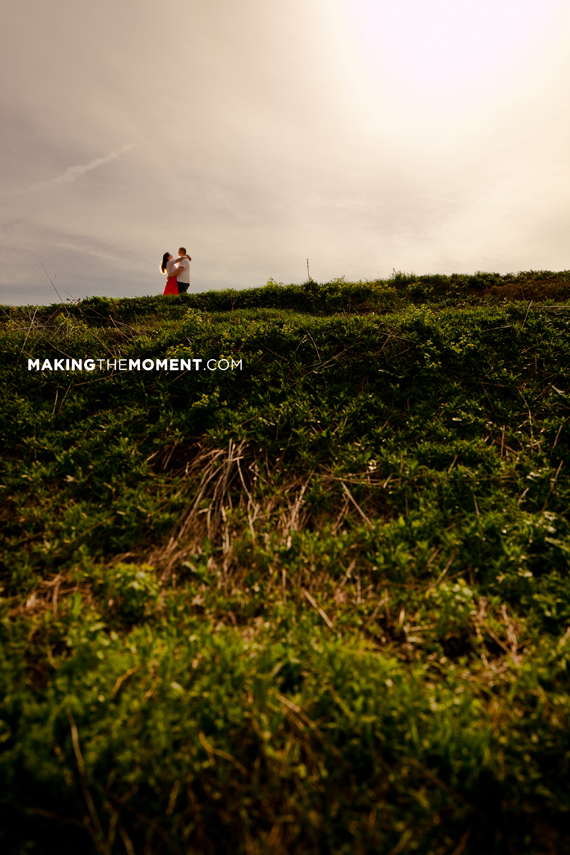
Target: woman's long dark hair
164	260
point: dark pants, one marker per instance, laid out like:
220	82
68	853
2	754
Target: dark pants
182	287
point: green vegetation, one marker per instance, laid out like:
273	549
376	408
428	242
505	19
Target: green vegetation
318	605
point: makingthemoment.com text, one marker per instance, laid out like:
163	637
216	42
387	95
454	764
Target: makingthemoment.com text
171	364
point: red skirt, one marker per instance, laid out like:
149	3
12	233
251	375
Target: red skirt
171	286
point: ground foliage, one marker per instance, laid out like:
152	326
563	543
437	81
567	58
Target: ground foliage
318	605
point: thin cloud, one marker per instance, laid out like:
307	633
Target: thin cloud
74	172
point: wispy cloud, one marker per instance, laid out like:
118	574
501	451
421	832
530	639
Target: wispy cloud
74	172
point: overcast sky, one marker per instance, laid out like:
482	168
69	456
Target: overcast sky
366	135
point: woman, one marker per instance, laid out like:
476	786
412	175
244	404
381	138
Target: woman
167	266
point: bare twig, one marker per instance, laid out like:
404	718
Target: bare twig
529	418
28	332
462	843
127	841
295	512
316	606
314	345
441	575
217	752
50	280
527	311
121	680
552	483
97	831
65	396
476	507
381	602
44	813
351	567
356	505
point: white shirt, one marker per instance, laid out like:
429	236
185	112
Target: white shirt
183	271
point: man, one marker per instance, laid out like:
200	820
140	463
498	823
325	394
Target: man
183	270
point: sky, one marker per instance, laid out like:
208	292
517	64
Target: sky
367	136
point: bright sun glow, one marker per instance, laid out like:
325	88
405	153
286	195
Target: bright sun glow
443	46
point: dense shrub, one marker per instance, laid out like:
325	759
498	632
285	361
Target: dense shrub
318	603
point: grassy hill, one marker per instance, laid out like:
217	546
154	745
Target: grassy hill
316	603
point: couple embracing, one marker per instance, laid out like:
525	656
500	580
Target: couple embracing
177	272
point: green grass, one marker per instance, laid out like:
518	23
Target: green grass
318	605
